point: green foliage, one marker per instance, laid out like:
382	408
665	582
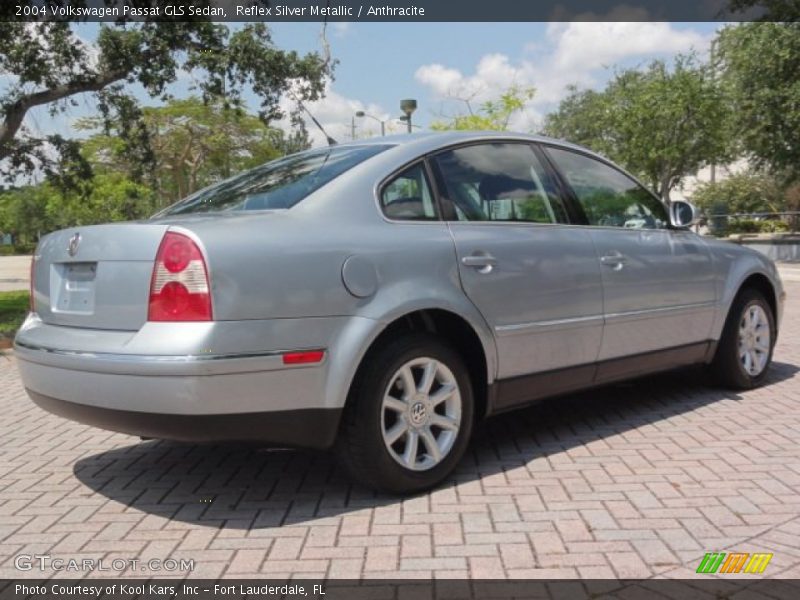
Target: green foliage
194	143
13	309
661	123
23	214
746	192
17	249
759	63
46	64
533	210
30	212
492	115
753	226
584	117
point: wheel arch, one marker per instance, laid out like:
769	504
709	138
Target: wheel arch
472	340
758	281
762	284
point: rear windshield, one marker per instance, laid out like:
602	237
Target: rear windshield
278	184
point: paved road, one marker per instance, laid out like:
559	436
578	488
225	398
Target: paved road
14	273
638	480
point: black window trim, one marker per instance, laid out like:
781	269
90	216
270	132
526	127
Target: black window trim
389	179
573	197
447	206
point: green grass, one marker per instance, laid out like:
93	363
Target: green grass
13	308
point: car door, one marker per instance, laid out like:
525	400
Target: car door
658	282
536	281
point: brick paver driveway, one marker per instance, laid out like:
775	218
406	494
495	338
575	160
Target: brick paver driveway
636	480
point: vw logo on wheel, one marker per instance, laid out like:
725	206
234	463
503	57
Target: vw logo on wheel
74	242
418	413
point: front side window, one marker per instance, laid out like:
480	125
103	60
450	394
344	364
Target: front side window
408	196
609	198
279	184
499	182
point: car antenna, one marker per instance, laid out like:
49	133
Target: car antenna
331	141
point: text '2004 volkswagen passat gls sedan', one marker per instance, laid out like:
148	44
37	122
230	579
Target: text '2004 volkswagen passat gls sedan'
380	297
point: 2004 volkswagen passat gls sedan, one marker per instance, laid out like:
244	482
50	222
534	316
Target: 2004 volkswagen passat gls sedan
380	297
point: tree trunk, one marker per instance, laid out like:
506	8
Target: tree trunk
663	188
15	113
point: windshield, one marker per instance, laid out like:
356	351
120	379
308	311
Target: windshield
278	184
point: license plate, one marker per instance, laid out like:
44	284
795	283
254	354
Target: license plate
76	282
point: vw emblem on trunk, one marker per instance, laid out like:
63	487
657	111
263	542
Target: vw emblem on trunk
74	242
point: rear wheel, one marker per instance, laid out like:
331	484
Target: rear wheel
409	415
745	348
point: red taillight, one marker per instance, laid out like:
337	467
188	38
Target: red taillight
303	358
179	290
31	303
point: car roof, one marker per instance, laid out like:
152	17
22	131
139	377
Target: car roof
428	141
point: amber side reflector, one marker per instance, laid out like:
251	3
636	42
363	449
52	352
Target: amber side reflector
303	358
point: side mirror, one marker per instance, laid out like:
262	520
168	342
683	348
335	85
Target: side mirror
682	213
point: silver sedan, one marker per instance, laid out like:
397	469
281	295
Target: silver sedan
380	297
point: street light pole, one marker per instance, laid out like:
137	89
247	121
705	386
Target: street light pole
361	113
353	127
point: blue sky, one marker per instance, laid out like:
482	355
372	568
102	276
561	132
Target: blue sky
380	63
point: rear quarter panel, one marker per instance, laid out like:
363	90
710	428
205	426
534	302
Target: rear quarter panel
288	265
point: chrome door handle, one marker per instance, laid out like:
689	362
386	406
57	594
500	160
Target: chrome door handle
615	260
483	262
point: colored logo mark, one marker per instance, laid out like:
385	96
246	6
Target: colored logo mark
735	562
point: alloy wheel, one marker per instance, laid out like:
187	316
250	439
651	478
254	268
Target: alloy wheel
421	413
754	340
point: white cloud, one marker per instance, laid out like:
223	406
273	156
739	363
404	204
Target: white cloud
581	46
341	28
442	80
569	53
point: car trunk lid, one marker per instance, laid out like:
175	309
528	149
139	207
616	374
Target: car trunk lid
97	276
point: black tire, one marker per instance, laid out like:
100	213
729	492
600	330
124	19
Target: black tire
727	368
360	445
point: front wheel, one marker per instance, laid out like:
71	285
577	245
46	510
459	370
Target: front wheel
409	415
745	348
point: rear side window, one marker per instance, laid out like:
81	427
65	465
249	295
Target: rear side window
609	198
408	196
499	182
278	184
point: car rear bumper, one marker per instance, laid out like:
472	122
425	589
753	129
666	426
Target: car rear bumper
309	428
197	381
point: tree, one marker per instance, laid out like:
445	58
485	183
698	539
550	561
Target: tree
23	214
48	65
584	117
490	115
194	144
747	192
660	123
31	211
759	65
